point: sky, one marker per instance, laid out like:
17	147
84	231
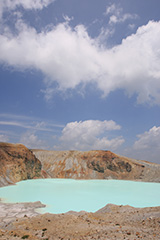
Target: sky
81	75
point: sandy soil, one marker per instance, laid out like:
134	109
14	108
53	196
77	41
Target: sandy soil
20	221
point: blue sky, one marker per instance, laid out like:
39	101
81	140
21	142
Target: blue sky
81	75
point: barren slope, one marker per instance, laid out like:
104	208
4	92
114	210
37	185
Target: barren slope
96	165
17	163
111	222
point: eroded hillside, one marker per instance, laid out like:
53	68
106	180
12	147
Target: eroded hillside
17	163
96	165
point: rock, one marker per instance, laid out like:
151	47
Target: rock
113	225
115	208
17	163
96	165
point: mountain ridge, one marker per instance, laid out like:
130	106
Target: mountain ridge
18	163
96	164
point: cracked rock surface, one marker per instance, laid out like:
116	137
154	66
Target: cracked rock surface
9	212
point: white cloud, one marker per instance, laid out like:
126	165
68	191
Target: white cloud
147	147
111	9
26	4
4	138
87	135
9	5
31	140
149	139
116	14
39	126
71	57
120	19
28	123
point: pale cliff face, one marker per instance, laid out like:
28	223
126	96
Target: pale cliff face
17	163
96	165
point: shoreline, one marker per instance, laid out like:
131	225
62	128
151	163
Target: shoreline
25	220
35	208
20	221
10	211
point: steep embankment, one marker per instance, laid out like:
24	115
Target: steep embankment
17	163
96	165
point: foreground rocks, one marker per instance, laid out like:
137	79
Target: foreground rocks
11	211
96	165
21	221
111	222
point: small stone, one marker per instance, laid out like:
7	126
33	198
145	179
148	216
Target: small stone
25	237
44	229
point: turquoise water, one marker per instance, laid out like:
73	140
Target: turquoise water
62	195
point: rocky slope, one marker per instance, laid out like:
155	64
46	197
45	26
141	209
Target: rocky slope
96	165
17	163
111	222
20	221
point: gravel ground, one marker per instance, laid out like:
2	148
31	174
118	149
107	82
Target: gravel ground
20	221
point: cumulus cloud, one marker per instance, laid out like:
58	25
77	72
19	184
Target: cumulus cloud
116	14
149	139
4	138
147	147
70	57
30	140
90	134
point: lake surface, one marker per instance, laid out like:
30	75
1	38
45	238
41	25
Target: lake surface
62	195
